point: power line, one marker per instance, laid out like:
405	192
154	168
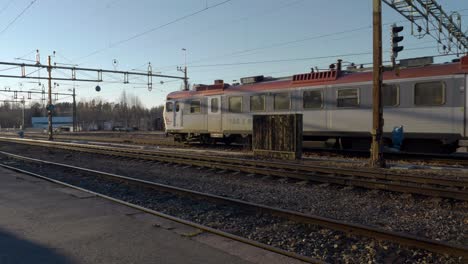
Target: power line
113	45
256	16
284	43
25	55
295	59
17	17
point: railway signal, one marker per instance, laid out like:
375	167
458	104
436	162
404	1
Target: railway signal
396	39
428	18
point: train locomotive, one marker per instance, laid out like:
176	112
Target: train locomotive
428	100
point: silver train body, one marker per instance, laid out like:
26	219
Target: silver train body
429	101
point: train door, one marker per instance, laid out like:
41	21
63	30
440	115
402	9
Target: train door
178	115
168	114
214	114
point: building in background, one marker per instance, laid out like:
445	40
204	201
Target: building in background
59	122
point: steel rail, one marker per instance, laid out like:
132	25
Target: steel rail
295	166
351	228
175	219
462	183
137	141
372	179
409	156
260	163
424	157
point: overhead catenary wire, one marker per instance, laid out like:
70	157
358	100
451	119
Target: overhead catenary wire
282	43
10	68
25	55
115	44
296	59
285	43
237	20
17	17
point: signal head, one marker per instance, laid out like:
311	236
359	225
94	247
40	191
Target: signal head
397	49
397	39
397	29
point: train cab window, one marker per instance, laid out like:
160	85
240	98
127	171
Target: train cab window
177	106
312	99
195	107
282	101
347	98
169	107
235	104
214	105
257	103
429	93
390	95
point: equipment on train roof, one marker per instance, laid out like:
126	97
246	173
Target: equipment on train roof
252	79
416	62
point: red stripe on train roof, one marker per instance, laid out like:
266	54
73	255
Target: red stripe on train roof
428	71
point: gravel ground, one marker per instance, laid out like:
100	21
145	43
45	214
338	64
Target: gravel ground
159	141
309	240
434	218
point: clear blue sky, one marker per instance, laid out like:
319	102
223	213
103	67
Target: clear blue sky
266	29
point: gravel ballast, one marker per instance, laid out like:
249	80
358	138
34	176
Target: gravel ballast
308	240
434	218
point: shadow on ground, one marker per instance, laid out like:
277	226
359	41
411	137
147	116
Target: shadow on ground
15	250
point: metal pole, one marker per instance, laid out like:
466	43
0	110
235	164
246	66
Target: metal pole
24	106
49	110
376	158
185	79
74	111
185	70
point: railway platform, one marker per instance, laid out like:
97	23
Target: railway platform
41	222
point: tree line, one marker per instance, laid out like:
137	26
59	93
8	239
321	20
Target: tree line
95	114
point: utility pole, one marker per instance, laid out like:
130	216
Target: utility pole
49	104
74	111
22	113
376	158
185	79
184	70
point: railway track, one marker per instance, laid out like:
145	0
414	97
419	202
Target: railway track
454	188
85	179
149	139
442	159
160	140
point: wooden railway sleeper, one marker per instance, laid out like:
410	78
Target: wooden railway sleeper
127	153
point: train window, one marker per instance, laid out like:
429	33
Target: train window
312	99
348	98
390	95
429	93
257	103
235	104
214	105
169	107
195	106
177	106
282	101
